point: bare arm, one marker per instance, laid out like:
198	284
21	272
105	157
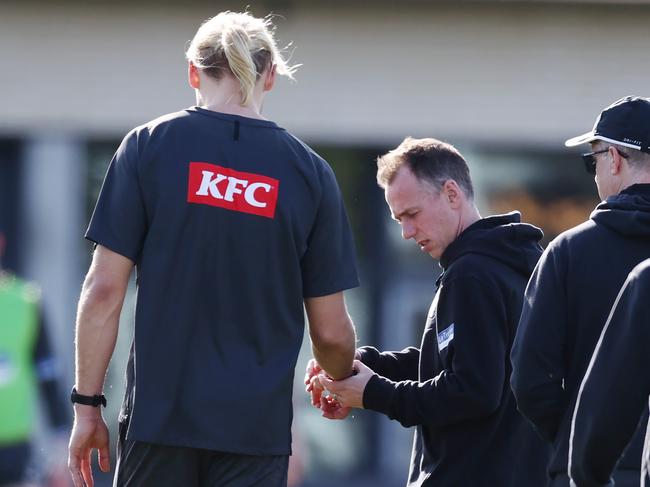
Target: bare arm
332	334
98	316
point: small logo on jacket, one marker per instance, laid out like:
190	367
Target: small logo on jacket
245	192
445	337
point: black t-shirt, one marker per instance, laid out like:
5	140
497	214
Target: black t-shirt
231	222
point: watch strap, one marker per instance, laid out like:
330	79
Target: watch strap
94	401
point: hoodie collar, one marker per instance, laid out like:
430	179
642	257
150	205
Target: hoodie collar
500	237
626	213
452	251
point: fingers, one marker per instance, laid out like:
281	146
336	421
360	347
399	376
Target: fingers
333	389
314	386
74	467
312	369
308	370
334	410
86	469
317	382
358	366
328	383
328	406
316	390
76	457
77	479
104	459
338	413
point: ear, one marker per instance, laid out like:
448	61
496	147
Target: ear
269	78
452	193
617	161
193	76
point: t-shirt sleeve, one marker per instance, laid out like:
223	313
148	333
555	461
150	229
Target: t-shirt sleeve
329	263
119	220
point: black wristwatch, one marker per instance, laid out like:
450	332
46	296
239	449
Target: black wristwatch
93	401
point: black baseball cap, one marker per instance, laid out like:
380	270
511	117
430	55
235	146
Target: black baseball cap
625	122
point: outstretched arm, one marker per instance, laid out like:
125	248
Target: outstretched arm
472	383
396	366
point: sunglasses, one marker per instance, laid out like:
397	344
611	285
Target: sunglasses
590	160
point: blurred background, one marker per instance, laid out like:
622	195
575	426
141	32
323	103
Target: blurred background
505	81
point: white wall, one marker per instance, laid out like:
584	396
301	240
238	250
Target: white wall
531	73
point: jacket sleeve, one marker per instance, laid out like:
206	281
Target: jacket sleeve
538	365
396	366
471	386
614	393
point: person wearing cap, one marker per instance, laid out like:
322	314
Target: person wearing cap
608	409
577	279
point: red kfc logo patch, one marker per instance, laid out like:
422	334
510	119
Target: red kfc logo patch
246	192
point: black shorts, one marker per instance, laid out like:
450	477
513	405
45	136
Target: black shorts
141	464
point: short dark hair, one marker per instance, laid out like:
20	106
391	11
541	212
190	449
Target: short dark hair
428	159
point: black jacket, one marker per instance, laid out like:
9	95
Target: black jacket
568	300
455	388
614	393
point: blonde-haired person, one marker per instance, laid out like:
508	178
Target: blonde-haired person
232	224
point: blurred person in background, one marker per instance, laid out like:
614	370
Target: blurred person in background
614	394
454	388
232	224
573	288
27	362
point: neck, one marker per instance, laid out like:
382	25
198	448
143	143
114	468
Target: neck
230	107
224	96
636	178
468	216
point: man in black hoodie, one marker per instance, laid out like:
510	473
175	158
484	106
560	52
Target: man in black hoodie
608	409
454	389
577	279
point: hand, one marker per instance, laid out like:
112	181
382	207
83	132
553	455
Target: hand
313	385
88	432
332	408
349	392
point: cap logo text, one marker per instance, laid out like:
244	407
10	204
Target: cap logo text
632	141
